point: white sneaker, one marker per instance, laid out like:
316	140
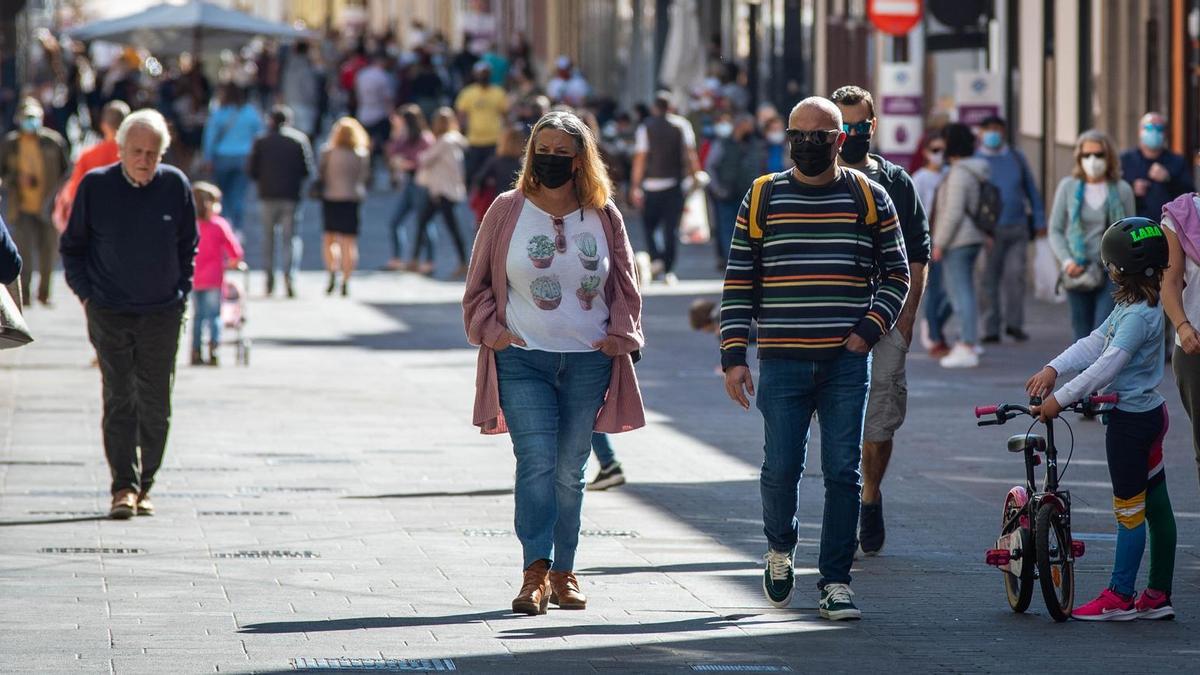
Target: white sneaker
961	356
670	279
978	349
926	341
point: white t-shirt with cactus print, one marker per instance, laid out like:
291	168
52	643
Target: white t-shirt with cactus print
556	299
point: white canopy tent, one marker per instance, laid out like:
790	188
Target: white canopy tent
196	27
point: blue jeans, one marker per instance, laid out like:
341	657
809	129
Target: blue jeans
550	402
935	302
727	211
1089	309
206	312
960	281
412	201
602	446
229	173
789	393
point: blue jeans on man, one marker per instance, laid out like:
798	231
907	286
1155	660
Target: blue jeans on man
936	303
789	392
550	401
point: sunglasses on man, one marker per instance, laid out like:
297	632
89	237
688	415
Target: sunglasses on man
818	136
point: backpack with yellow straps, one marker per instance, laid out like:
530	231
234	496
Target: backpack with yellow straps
759	229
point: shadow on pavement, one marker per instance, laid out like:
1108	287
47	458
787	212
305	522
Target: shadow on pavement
54	521
668	569
684	626
422	495
368	622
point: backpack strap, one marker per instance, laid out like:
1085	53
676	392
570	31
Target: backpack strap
860	189
760	200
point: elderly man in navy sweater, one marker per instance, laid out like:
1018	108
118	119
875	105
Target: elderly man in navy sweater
128	254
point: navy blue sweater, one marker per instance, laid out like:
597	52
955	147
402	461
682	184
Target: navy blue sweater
10	260
1135	165
128	248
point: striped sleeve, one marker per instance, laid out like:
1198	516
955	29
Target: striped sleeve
893	263
737	297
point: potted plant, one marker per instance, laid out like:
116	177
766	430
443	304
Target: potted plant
541	251
589	288
547	292
587	251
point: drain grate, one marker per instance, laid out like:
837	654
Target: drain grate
487	533
307	460
280	489
250	555
38	462
202	469
67	513
738	668
243	513
612	534
87	550
345	663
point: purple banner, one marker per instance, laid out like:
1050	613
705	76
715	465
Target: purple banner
972	115
901	105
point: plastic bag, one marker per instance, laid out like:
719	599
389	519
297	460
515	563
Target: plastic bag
1045	273
694	227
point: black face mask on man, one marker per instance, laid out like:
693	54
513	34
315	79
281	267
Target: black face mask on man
855	148
811	158
552	171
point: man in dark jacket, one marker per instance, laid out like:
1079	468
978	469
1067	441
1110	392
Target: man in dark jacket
128	254
1156	174
33	165
888	399
279	162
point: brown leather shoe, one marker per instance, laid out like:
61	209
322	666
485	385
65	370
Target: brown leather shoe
124	505
535	590
565	591
145	507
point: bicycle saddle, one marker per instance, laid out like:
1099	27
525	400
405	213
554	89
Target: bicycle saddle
1018	442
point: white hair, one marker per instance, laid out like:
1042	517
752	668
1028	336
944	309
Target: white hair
146	118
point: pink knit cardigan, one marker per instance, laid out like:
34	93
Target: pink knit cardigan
487	294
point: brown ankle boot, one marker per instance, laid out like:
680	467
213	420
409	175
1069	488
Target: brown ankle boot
535	590
565	591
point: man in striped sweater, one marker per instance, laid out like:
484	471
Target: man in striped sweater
824	284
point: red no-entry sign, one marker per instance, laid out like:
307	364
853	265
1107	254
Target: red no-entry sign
895	17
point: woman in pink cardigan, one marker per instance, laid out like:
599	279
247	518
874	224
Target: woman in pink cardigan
552	302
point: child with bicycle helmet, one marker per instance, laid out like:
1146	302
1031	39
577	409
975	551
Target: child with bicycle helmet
1125	355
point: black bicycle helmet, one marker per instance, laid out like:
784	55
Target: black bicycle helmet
1134	246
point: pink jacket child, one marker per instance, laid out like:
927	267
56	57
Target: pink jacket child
486	297
218	247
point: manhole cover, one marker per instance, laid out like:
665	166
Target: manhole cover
243	555
345	663
91	550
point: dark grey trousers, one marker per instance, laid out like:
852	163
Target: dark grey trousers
1187	376
137	369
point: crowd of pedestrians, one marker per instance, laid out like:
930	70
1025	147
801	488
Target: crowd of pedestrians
828	250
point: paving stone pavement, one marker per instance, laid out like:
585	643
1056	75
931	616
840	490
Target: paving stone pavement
330	508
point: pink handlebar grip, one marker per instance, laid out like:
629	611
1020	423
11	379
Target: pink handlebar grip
1105	398
982	410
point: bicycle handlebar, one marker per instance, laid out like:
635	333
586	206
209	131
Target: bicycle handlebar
981	410
1003	411
1103	399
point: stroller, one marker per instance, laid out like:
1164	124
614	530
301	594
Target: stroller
233	312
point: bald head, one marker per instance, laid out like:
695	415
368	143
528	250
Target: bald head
815	113
1154	118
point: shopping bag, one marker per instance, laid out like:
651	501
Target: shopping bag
694	227
1045	273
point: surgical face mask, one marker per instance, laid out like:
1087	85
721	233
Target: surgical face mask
855	148
812	159
1094	167
935	157
1153	137
775	137
723	129
992	140
30	124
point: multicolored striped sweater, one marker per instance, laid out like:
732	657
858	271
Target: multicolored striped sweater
817	265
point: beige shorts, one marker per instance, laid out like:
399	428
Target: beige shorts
887	403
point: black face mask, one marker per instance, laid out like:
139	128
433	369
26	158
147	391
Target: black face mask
855	148
812	159
553	171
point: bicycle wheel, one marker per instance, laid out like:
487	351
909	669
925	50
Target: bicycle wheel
1018	588
1055	568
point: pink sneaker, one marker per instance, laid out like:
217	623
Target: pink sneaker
1154	605
1110	606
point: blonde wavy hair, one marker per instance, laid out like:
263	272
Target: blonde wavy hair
348	133
592	185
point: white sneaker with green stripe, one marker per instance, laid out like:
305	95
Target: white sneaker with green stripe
837	603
